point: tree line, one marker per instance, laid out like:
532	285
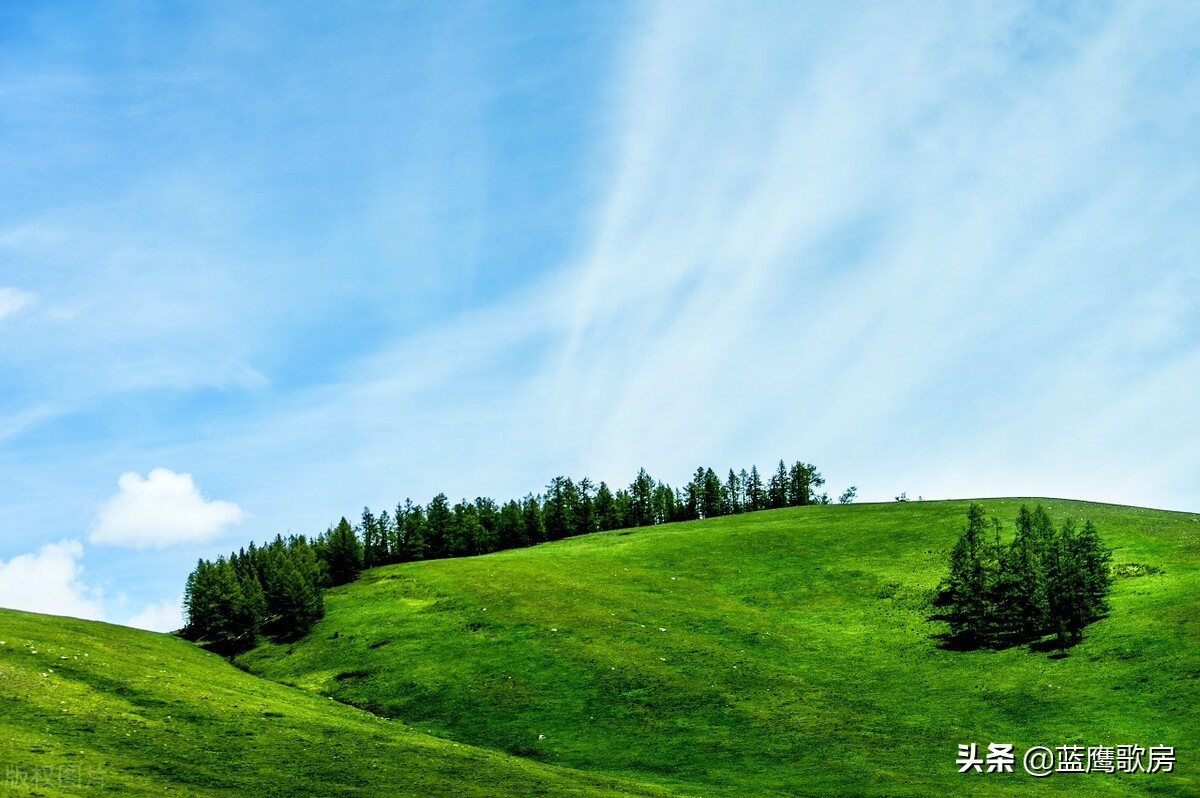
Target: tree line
275	590
1045	581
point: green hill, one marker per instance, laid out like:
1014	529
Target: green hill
88	708
783	652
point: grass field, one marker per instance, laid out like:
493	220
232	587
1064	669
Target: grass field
88	708
787	652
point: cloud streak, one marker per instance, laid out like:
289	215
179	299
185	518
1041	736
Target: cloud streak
12	301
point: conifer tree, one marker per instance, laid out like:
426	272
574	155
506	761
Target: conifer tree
587	522
755	495
666	508
437	527
387	539
534	531
606	508
965	586
509	528
732	494
343	554
370	538
487	537
711	498
641	492
410	526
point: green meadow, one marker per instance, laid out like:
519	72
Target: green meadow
88	708
786	652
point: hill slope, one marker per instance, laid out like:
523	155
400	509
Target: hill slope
88	708
783	652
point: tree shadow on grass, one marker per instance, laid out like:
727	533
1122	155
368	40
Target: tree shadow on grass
1057	649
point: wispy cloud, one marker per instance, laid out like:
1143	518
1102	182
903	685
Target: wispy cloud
13	300
942	249
880	242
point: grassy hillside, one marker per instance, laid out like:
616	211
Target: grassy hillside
92	709
784	652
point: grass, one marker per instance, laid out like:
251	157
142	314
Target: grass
88	708
787	652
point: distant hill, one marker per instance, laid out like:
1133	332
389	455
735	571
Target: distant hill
783	652
89	708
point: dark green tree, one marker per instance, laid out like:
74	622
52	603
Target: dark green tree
487	537
438	517
711	495
463	531
755	495
665	506
777	487
966	586
641	491
606	508
370	538
534	530
732	494
587	522
410	531
343	554
509	527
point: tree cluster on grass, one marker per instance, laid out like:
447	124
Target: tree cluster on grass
1045	581
276	590
273	590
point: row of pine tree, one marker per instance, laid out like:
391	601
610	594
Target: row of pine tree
1045	581
275	590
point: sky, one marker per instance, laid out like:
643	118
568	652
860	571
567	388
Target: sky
264	264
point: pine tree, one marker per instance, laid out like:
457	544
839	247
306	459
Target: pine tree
755	495
370	538
437	527
1094	559
343	554
624	509
533	529
509	527
463	530
803	481
387	539
641	492
965	587
1025	609
693	497
487	537
410	531
587	508
666	508
777	487
606	508
711	498
732	494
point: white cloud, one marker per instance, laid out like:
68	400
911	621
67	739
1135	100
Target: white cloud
12	300
165	616
163	509
49	581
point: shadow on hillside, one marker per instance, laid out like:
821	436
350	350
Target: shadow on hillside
1043	645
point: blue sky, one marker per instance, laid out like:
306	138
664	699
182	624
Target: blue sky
262	265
